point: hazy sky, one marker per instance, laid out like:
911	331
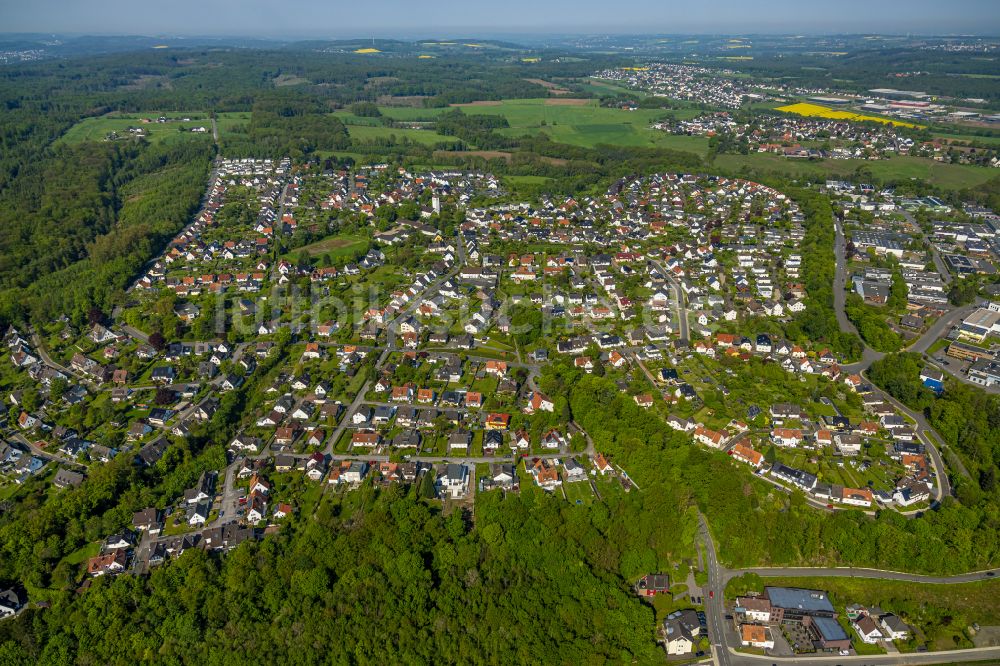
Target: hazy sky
353	18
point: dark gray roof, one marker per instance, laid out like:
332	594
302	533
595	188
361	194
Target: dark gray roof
799	599
829	629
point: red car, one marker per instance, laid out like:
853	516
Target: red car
711	594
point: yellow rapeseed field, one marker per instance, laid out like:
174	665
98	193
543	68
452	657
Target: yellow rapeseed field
817	111
368	50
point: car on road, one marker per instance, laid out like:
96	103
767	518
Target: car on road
990	574
711	594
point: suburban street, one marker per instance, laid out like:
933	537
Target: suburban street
679	306
942	486
869	355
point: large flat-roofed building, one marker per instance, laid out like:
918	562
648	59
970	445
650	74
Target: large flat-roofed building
792	604
882	243
958	263
968	352
980	324
827	634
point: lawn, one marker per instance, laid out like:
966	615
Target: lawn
339	247
579	492
949	176
83	554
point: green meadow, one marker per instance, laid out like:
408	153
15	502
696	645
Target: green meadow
369	133
99	127
586	124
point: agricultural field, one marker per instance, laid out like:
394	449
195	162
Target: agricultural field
588	124
601	87
98	128
948	176
817	111
370	133
579	122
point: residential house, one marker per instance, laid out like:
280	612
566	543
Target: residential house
757	636
680	631
538	402
893	628
786	437
651	585
454	482
868	630
747	455
709	437
11	601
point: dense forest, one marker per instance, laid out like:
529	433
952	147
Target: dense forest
375	576
79	223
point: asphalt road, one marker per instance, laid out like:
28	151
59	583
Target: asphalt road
850	572
940	327
715	607
724	654
39	452
917	659
230	496
681	310
938	262
869	356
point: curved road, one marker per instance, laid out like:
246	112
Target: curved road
724	643
851	572
869	356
